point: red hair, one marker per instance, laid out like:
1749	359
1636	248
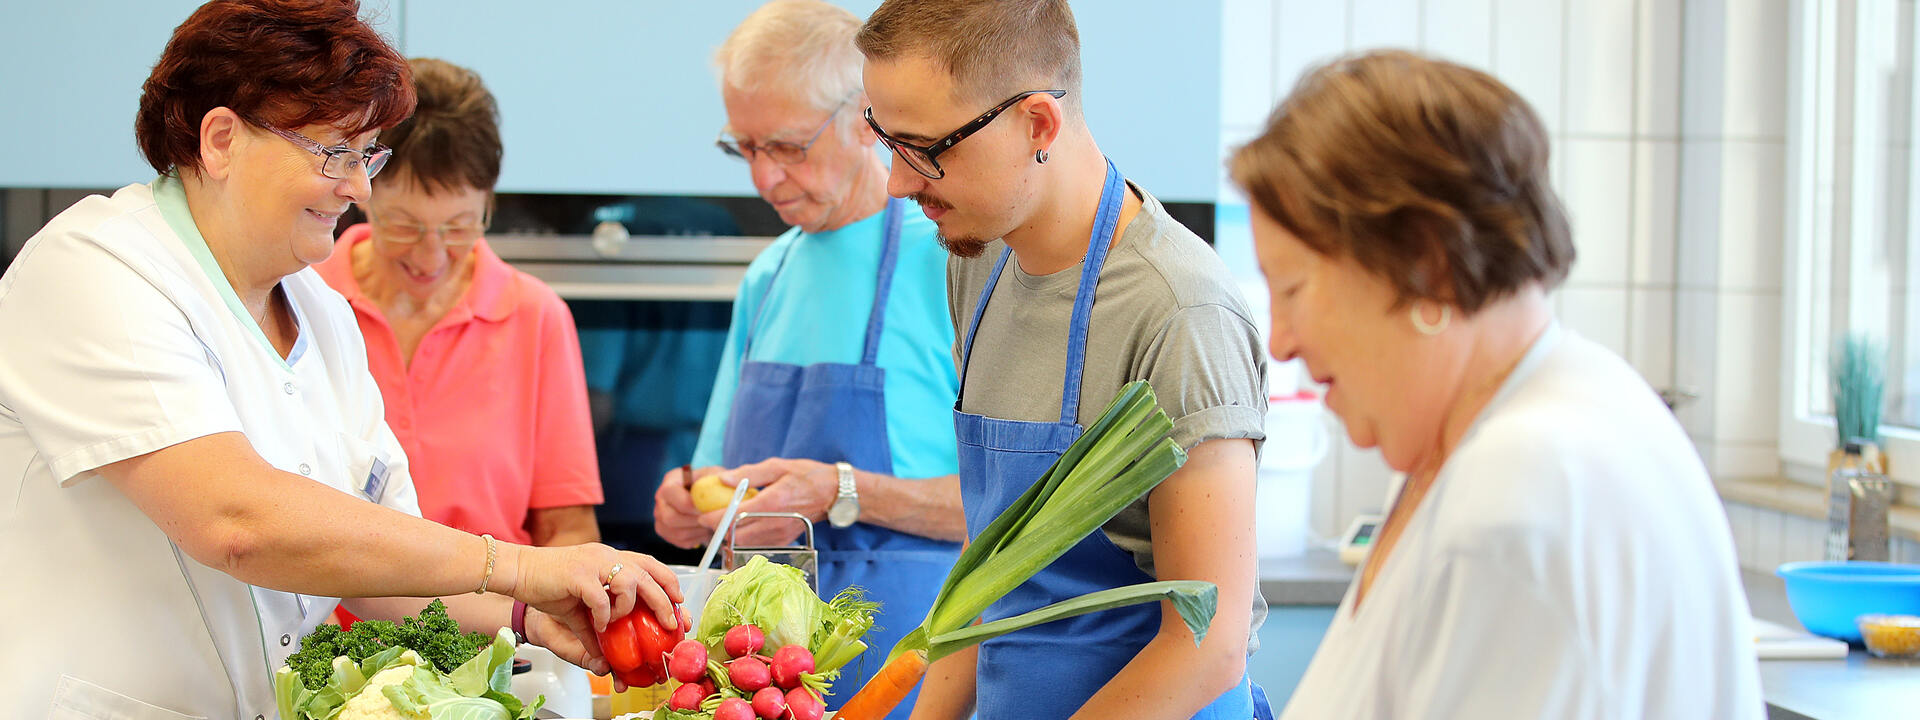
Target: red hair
291	63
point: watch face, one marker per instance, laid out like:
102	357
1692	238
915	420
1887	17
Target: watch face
843	512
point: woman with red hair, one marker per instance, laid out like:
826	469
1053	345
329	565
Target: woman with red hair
194	454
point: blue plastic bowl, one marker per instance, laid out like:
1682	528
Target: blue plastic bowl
1828	596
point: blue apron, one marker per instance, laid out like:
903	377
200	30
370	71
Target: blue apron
1051	670
836	412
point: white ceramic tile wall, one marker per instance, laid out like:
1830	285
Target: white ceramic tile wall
1459	30
1656	212
1657	86
1753	189
1747	397
1528	53
1599	314
1599	199
1384	24
1600	68
1666	122
1650	313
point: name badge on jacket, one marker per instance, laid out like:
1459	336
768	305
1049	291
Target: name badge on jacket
376	485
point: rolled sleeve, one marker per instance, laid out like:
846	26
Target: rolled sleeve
107	373
1209	373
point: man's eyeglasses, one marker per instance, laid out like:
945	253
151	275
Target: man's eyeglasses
781	151
454	236
923	158
340	159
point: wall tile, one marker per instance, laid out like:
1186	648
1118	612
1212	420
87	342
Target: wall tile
1600	67
1740	520
1696	357
1599	185
1656	68
1248	89
1698	255
1703	68
1756	68
1528	54
1656	212
1599	314
1650	317
1460	30
1769	528
1752	198
1384	24
1744	460
1306	33
1747	374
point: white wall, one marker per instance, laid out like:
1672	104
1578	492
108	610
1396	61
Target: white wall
1668	127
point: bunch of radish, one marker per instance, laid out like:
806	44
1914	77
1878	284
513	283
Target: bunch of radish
750	685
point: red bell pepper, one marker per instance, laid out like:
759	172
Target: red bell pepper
637	646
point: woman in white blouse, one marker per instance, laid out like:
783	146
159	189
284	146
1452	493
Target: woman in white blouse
193	460
1555	549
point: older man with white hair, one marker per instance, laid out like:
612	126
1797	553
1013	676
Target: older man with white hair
837	383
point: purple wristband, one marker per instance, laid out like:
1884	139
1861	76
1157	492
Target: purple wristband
519	621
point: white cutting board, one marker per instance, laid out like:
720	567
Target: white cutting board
1779	642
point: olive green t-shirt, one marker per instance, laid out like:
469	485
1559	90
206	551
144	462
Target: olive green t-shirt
1166	310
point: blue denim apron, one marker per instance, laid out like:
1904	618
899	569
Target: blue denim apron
1051	670
836	412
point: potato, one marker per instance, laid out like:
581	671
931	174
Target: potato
709	494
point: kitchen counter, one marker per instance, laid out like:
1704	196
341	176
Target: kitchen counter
1860	687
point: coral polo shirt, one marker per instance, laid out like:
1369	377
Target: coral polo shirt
492	411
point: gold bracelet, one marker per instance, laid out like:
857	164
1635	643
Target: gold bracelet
489	576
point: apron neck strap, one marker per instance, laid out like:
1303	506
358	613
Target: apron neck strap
889	256
1106	220
876	321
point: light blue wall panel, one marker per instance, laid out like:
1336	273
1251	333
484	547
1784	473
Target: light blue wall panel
597	96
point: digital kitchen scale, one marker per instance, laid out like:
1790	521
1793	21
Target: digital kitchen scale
1358	539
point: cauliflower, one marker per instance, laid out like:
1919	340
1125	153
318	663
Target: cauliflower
371	704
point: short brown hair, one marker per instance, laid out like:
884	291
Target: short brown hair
453	138
288	62
1431	175
992	48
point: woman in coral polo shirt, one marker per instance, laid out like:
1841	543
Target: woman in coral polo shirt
479	363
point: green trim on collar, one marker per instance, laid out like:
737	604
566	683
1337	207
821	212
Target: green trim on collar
171	197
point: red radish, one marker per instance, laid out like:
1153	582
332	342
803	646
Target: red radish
744	640
749	673
803	705
788	663
769	704
687	697
688	663
733	709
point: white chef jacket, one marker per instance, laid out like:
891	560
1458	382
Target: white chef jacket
123	337
1571	561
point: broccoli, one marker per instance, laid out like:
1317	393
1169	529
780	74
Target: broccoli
433	634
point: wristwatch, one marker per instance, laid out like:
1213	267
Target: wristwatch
846	508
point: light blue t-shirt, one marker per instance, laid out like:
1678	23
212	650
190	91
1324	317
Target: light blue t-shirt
817	313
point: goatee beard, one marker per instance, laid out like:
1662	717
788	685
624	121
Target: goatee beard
964	247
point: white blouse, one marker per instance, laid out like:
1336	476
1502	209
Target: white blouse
122	337
1572	560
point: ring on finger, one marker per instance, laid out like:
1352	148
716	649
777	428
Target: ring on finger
617	567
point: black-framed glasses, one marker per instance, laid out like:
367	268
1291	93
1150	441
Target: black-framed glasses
781	151
339	160
923	158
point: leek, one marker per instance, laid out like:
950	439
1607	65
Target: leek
1122	456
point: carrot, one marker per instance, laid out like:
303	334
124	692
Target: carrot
887	688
